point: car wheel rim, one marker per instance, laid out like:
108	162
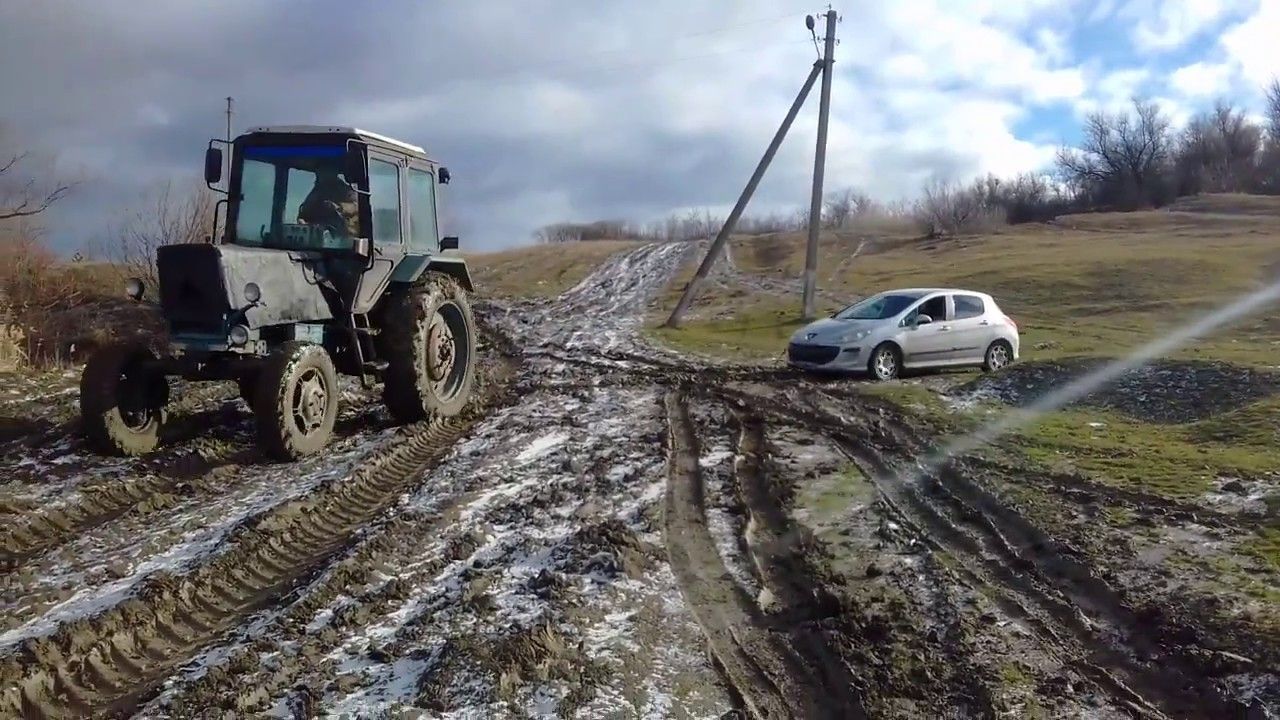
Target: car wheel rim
999	357
885	364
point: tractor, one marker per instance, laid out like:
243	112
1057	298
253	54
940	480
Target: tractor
330	262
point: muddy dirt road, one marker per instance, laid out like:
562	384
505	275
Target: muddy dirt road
610	530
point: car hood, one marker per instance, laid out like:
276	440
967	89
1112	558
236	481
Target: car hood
831	330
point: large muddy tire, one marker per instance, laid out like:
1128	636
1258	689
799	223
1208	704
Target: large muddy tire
122	400
429	342
296	401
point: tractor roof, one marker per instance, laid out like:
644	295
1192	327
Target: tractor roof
330	129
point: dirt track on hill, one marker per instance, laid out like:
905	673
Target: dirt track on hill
610	530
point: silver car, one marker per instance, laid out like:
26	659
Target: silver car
909	329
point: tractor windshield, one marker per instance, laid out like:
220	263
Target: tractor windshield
295	197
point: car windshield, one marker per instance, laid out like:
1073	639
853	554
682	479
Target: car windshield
295	197
877	307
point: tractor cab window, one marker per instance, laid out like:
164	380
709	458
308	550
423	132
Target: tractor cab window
423	237
384	201
295	197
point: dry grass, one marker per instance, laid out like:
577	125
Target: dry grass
1090	284
541	270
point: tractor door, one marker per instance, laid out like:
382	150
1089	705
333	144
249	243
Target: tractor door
388	228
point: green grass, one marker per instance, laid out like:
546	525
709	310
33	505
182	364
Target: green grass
540	270
1176	461
750	334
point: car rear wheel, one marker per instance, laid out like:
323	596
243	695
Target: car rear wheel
999	356
885	362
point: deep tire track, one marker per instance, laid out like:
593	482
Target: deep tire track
106	664
762	666
1050	590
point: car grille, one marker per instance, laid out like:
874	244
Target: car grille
812	353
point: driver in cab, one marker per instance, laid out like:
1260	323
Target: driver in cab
332	203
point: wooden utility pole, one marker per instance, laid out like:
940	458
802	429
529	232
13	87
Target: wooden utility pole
716	245
819	167
823	66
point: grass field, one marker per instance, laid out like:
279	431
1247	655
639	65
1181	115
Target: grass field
1087	285
541	270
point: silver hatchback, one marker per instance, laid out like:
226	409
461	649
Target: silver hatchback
909	329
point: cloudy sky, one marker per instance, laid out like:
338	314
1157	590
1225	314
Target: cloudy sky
557	110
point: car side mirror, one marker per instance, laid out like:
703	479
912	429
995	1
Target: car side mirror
923	319
353	166
212	165
449	242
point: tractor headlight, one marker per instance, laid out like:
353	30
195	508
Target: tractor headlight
252	293
134	288
239	335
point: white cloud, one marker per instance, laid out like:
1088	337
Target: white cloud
1202	79
1161	25
1251	44
1114	91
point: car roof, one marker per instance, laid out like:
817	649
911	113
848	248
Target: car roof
921	292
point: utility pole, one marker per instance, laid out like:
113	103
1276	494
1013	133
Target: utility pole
716	245
819	167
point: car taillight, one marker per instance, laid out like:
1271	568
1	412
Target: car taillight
1011	322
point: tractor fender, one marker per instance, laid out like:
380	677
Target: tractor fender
412	267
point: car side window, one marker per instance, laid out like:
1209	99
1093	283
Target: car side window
969	306
384	201
935	308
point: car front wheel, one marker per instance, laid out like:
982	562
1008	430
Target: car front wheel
885	362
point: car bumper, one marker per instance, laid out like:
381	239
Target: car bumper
829	358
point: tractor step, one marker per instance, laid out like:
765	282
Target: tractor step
374	366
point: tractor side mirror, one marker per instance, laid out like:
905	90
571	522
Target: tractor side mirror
449	242
360	246
354	168
444	176
212	165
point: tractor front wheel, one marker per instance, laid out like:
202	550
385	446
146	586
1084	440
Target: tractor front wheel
429	342
122	399
296	401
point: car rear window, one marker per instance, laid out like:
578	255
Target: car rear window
968	306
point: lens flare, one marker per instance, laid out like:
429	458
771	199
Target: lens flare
1087	384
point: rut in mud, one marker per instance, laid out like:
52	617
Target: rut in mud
612	529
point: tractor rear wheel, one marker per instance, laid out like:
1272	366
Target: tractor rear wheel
122	399
428	339
296	401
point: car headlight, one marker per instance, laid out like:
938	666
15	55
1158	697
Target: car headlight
239	335
252	293
854	336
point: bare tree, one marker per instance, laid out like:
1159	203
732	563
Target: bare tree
1122	160
1272	112
945	208
23	193
842	206
171	217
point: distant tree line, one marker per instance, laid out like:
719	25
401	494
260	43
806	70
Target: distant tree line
1124	161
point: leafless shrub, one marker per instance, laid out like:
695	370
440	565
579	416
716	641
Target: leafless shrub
842	207
169	217
946	208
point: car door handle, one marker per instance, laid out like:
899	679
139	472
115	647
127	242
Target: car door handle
985	322
944	328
